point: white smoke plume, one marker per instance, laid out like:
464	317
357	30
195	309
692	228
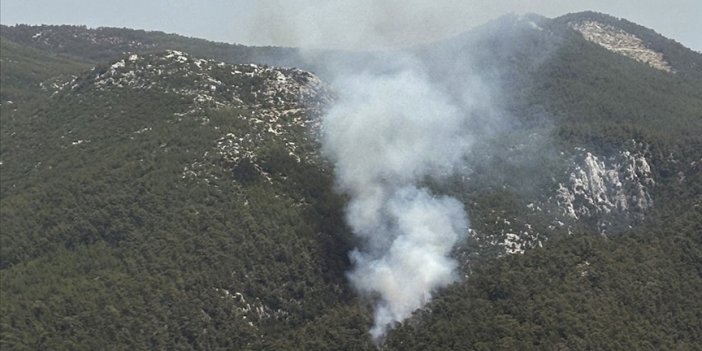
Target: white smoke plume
394	125
385	134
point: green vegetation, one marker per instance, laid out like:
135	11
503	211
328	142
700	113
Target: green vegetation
106	44
636	292
22	69
99	235
108	242
688	66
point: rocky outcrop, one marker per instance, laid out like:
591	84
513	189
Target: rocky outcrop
607	189
272	102
621	42
209	83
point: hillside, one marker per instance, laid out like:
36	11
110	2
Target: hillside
104	44
164	196
22	69
162	192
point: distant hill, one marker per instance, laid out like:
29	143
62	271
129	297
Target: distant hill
22	69
684	60
106	44
164	192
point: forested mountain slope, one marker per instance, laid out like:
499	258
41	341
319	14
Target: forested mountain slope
105	44
161	192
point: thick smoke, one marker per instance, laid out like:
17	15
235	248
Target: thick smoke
396	123
386	134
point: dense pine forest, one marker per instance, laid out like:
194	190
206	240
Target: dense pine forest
163	192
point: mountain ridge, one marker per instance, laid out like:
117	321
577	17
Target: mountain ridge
142	208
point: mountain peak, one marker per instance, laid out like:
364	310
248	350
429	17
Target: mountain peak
635	41
621	42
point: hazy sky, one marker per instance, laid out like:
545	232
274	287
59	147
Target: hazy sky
292	22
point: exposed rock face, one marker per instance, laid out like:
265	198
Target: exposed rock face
606	194
210	84
621	42
602	188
